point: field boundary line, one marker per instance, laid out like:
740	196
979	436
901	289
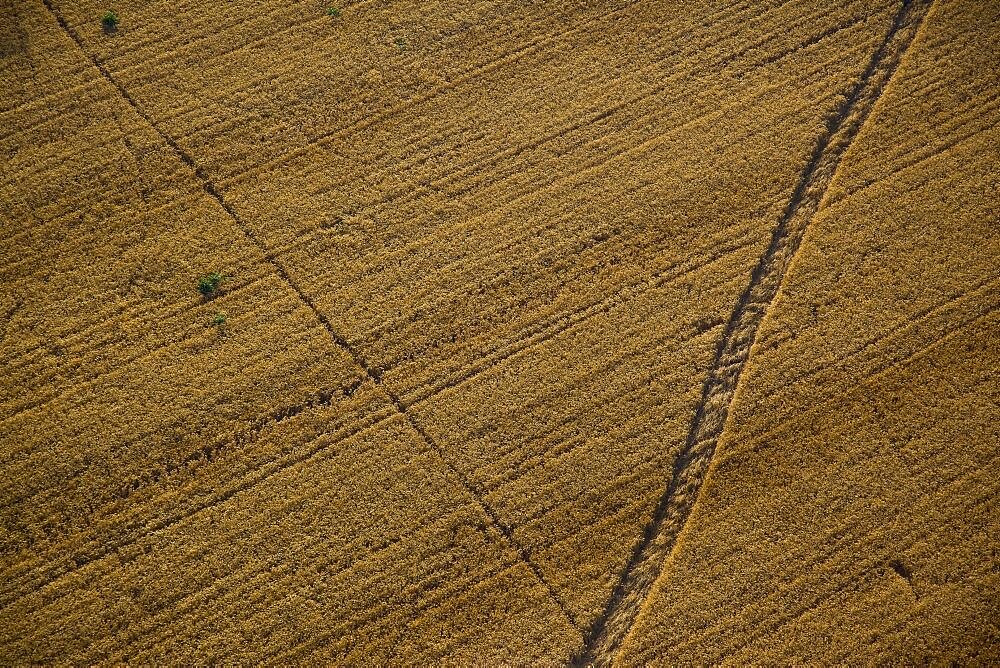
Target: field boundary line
609	630
342	342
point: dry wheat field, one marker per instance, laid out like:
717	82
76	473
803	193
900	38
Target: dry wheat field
592	332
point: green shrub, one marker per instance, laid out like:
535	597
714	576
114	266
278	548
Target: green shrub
209	284
109	20
219	320
333	11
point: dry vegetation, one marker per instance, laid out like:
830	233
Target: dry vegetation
385	334
852	508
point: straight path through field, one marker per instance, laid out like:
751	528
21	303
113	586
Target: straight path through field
213	191
171	484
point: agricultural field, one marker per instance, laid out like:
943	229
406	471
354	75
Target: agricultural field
487	332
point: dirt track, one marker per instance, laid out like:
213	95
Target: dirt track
606	332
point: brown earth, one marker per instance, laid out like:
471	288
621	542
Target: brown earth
596	332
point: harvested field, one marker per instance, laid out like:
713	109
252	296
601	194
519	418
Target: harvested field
584	332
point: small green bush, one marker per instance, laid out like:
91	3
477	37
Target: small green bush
219	320
109	20
333	11
209	284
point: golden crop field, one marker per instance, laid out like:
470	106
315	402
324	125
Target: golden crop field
594	332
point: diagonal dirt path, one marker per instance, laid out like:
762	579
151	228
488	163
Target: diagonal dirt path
671	514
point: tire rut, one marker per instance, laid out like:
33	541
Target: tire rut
636	580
